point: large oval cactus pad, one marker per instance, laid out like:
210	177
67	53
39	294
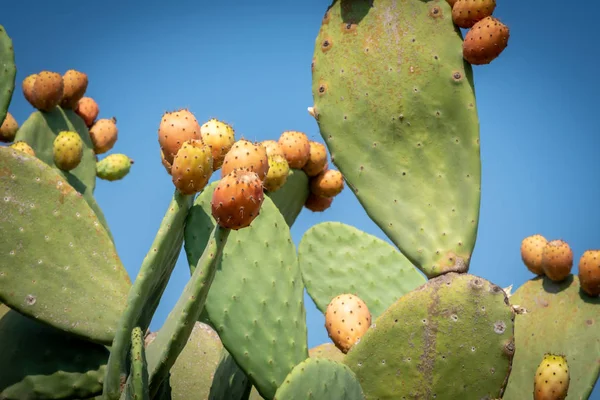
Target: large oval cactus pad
58	263
336	258
559	319
8	72
256	301
452	338
41	362
396	107
290	198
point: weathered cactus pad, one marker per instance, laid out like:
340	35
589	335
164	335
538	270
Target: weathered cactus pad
58	263
560	319
291	197
336	258
256	300
452	338
328	351
41	362
319	378
8	72
395	105
229	381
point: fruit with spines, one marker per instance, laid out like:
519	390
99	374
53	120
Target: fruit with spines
23	146
237	199
75	84
296	148
552	378
485	41
165	163
532	248
347	318
176	128
113	167
317	159
557	260
27	87
466	13
589	272
47	90
88	110
67	150
8	129
220	137
279	170
192	167
272	148
317	203
452	2
328	183
246	155
104	134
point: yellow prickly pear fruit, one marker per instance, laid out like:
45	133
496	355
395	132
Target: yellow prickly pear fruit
192	167
8	129
47	90
557	260
219	137
88	110
27	87
67	150
347	319
328	183
24	147
248	155
589	272
532	248
176	128
75	84
316	160
295	147
272	148
104	135
278	173
113	167
317	203
552	378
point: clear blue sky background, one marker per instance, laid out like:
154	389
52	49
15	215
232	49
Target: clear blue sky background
249	64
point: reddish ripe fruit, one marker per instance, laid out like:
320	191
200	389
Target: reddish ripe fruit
317	203
328	183
532	248
589	272
466	13
246	155
347	319
237	199
165	163
88	110
316	160
451	2
27	87
295	147
557	260
8	129
104	135
175	128
47	90
75	84
485	41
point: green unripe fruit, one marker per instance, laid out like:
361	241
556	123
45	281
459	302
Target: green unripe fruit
68	150
113	167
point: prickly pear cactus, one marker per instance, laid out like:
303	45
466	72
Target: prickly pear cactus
559	319
8	72
395	104
451	338
58	265
290	198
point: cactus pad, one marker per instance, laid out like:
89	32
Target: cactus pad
328	351
256	301
290	198
395	105
372	269
560	319
229	382
137	386
319	378
41	362
8	72
58	264
448	339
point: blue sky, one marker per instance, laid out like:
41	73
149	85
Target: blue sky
248	63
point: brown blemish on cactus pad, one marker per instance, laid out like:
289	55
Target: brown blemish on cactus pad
451	262
509	348
349	28
435	12
457	76
326	45
322	89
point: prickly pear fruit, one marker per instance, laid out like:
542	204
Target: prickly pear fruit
192	167
88	110
237	199
165	163
466	13
47	90
272	148
295	147
552	378
219	137
589	272
328	183
317	203
175	128
75	84
347	318
113	167
485	41
278	173
245	154
316	160
27	87
532	248
451	2
104	134
557	260
8	129
24	147
68	150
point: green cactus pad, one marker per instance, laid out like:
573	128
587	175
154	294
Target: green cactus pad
149	285
137	387
256	302
559	319
230	381
319	378
40	130
291	197
448	339
328	351
8	72
58	264
41	362
396	107
372	269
